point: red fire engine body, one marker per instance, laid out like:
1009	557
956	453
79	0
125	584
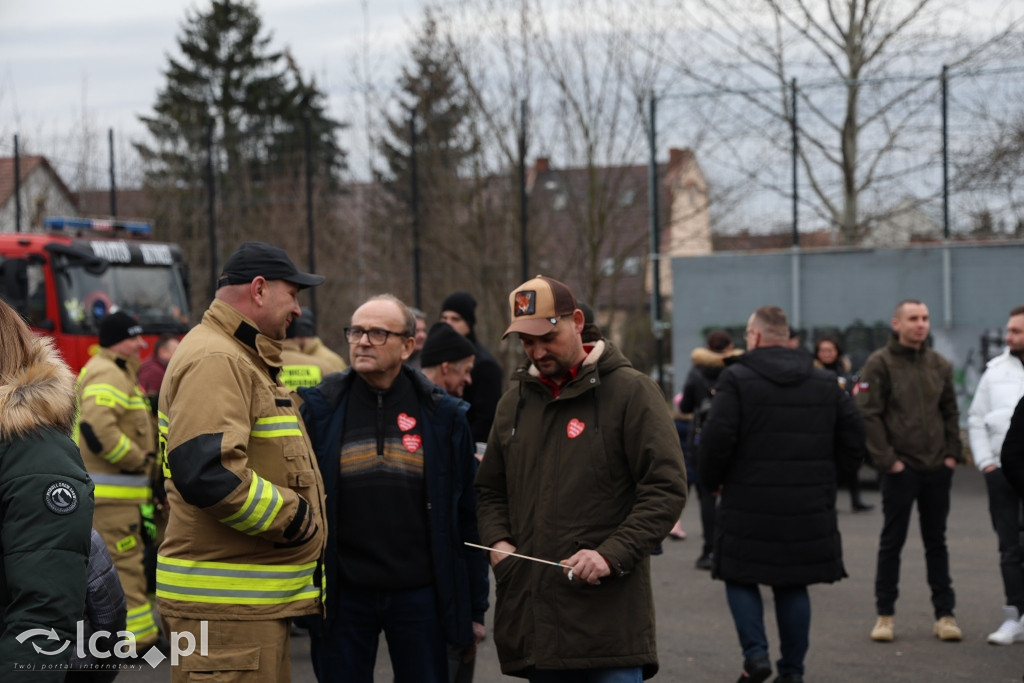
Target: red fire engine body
65	280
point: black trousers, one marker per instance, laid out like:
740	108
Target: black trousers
930	490
1004	506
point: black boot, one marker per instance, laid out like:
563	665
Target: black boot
756	670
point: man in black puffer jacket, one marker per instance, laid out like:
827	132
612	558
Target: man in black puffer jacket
778	431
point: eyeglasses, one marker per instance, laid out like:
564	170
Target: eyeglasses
377	336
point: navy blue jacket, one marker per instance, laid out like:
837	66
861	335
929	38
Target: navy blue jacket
460	572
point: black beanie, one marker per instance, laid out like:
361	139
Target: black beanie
444	344
303	326
462	303
116	327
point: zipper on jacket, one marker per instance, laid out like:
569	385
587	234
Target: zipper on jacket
380	423
917	361
519	406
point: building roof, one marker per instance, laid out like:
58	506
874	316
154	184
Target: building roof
134	203
26	166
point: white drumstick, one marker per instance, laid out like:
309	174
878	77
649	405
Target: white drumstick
525	557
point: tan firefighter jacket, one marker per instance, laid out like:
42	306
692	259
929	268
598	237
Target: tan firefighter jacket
299	369
242	482
115	429
316	348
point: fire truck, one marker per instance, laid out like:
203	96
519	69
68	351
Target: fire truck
65	279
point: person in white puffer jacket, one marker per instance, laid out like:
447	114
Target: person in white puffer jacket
999	390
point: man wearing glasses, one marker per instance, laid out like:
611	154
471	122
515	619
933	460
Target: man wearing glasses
396	455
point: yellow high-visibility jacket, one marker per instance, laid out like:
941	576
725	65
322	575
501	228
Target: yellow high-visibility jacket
115	429
299	369
242	482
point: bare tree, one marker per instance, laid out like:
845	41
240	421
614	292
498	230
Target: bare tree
858	115
576	65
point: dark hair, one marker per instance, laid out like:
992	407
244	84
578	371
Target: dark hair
1016	310
899	307
718	340
832	340
163	341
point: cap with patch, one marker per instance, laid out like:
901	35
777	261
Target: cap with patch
255	259
536	305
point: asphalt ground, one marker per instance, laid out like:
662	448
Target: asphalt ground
697	642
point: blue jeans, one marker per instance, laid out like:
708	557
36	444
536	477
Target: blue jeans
632	674
347	651
792	614
899	493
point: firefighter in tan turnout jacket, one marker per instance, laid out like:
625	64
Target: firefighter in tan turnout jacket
115	436
245	540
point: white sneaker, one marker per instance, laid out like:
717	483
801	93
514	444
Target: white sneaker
1011	631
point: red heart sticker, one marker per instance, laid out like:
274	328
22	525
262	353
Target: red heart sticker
411	442
406	422
575	428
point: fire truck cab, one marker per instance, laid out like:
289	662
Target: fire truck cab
64	280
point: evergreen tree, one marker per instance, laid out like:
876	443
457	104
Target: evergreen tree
230	92
430	88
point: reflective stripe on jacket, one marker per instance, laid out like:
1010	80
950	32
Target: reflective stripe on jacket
115	430
242	484
235	584
134	488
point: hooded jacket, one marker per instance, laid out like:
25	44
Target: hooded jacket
842	368
46	505
706	366
460	572
778	431
997	395
908	402
242	484
599	467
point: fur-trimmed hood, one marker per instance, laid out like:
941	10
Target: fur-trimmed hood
844	365
593	356
712	359
40	395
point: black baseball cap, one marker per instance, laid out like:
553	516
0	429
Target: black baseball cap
255	259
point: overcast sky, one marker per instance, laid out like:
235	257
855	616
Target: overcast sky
59	58
66	65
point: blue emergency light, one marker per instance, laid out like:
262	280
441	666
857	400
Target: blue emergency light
62	223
